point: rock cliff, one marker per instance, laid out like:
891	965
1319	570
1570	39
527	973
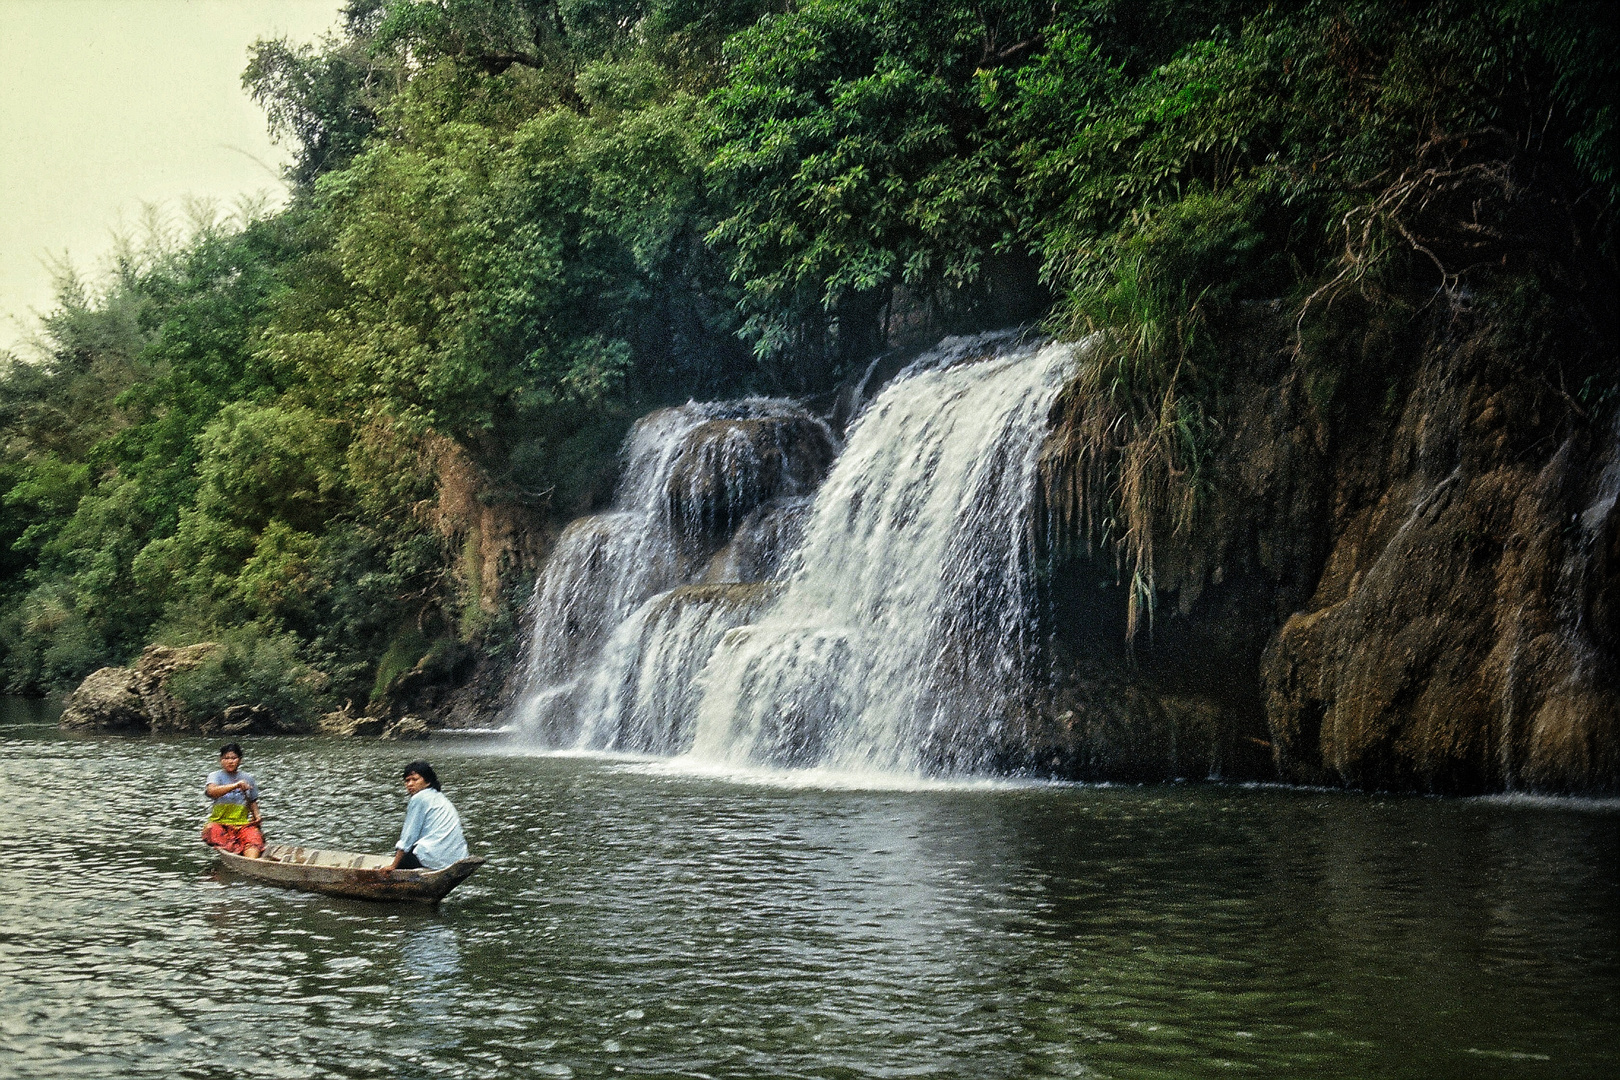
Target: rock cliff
1462	636
1410	583
727	468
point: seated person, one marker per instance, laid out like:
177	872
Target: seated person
431	837
233	824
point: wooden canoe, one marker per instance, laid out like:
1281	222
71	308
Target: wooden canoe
346	873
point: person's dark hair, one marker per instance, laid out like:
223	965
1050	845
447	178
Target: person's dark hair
236	748
425	771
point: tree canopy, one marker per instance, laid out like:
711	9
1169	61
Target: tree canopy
519	223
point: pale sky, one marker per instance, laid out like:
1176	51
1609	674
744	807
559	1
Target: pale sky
109	104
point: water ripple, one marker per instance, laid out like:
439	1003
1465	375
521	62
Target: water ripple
637	920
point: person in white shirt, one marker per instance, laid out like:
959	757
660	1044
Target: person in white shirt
431	836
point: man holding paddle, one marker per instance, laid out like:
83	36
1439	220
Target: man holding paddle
233	824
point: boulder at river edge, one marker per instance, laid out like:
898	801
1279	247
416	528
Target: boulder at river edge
406	729
134	700
108	700
345	723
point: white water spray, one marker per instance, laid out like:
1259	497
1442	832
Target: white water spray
903	636
607	565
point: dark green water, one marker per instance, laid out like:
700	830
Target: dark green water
637	922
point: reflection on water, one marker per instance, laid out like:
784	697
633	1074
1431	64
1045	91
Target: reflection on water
431	961
635	921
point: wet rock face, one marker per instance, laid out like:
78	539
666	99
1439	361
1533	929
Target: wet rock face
1414	592
726	468
135	700
756	550
1463	637
1183	699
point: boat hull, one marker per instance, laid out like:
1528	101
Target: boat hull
348	873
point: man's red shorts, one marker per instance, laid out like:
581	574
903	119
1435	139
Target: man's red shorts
232	838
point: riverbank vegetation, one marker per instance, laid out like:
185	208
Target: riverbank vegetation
334	437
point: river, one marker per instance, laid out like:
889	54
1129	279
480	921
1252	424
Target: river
638	921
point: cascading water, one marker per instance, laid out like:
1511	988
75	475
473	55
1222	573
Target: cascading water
903	634
760	543
654	536
643	693
896	636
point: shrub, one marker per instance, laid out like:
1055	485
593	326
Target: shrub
253	667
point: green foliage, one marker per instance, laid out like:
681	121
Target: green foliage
324	102
1578	43
1302	157
261	463
496	33
47	642
493	269
252	667
43	493
1322	109
520	223
407	647
206	306
842	142
572	467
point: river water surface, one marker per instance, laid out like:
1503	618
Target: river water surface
637	921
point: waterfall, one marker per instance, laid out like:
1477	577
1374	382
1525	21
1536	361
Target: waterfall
686	472
903	634
642	694
764	537
727	608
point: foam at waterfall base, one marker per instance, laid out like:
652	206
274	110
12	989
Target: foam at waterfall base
524	749
1593	804
821	778
686	767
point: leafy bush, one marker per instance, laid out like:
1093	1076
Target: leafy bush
48	644
252	667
